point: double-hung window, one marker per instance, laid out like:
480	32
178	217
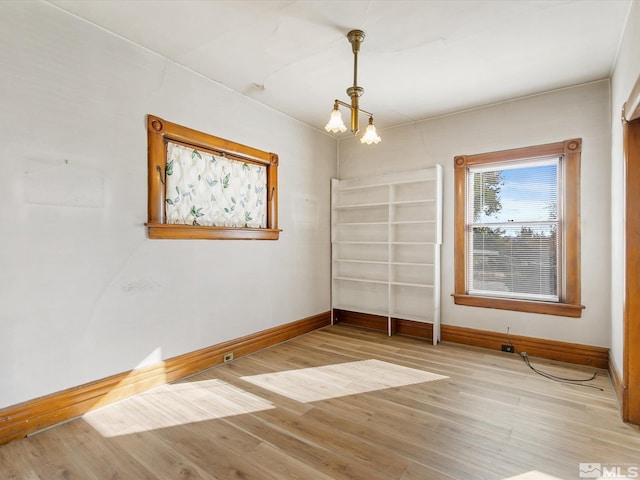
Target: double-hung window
517	221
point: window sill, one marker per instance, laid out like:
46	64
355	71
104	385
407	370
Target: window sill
546	308
195	232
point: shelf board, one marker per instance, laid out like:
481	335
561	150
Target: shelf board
412	222
412	243
412	316
412	264
351	224
354	308
362	280
384	184
411	284
422	201
362	205
409	181
371	186
347	260
348	242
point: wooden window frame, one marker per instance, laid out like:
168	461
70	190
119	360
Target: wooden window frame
629	391
569	305
159	133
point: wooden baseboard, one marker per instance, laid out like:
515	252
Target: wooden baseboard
357	319
597	357
20	420
616	381
380	323
412	328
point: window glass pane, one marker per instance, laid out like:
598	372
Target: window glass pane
512	218
528	192
516	262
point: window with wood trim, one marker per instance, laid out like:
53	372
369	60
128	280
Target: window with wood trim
205	187
517	229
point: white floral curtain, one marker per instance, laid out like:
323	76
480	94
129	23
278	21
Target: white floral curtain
206	189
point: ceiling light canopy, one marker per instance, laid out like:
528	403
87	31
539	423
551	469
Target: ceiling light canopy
335	125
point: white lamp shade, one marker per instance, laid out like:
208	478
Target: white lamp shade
335	124
370	135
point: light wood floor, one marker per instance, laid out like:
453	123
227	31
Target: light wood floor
490	418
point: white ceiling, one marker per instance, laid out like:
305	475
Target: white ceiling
419	59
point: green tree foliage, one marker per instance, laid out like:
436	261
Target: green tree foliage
486	194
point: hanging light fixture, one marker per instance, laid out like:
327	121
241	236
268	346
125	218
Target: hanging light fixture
335	125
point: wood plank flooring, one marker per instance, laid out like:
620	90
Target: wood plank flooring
490	418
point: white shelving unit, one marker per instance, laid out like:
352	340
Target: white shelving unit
386	237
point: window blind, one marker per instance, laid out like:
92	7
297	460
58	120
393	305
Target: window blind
513	223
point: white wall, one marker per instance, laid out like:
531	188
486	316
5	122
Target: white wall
83	292
581	111
626	71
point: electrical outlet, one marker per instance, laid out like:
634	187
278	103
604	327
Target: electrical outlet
507	348
228	357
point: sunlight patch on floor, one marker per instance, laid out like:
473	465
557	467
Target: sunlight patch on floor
339	380
533	475
173	405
